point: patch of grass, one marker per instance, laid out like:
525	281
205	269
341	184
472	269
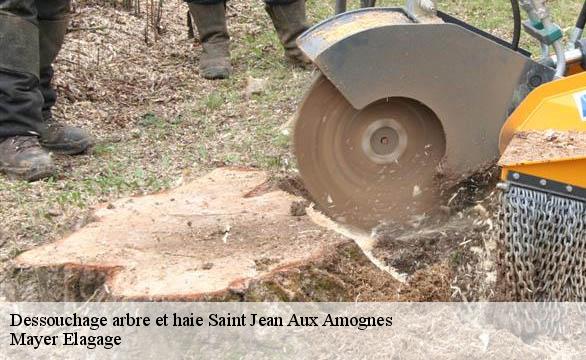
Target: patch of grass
214	101
104	149
152	120
496	17
456	258
281	140
273	162
70	198
258	50
231	158
202	152
115	180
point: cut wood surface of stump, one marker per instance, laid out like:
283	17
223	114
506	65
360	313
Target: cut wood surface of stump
209	236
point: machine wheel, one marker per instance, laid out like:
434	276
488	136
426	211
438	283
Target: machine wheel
370	166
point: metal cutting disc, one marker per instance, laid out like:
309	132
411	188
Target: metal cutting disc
370	166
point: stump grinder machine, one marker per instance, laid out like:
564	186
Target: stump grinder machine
410	100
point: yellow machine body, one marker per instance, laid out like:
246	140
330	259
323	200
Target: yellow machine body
558	106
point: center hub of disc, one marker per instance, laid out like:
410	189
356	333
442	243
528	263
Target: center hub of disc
384	141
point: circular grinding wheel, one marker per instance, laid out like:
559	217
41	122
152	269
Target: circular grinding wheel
370	166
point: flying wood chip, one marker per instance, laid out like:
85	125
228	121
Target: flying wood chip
204	238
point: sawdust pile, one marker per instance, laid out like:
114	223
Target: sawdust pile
544	146
360	22
368	20
446	258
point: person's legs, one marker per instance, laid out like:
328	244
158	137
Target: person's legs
53	19
290	21
210	19
20	98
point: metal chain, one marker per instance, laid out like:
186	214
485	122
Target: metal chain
543	237
542	255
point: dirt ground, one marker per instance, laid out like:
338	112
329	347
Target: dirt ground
133	81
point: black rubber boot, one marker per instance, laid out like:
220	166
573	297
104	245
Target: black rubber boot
290	21
58	138
23	158
210	21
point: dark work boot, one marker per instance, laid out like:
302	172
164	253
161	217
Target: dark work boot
23	158
58	138
210	21
290	22
67	140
